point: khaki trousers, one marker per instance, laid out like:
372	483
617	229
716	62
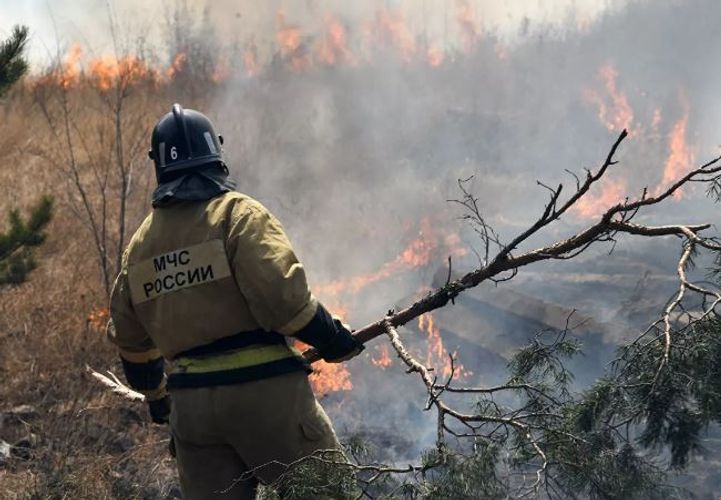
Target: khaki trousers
230	437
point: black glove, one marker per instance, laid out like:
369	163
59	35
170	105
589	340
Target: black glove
160	410
343	346
330	337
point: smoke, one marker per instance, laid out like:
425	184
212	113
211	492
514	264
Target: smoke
352	156
354	153
240	21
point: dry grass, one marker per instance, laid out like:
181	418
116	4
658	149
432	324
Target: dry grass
74	439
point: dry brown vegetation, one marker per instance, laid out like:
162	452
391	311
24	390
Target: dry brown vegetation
82	137
72	439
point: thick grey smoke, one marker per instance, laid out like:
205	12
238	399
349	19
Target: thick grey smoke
240	20
353	156
358	159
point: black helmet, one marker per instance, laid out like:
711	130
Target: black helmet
184	140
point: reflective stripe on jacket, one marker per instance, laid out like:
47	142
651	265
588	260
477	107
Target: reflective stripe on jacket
196	273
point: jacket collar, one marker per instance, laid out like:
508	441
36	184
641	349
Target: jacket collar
196	186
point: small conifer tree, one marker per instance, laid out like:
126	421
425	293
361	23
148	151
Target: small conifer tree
17	242
12	63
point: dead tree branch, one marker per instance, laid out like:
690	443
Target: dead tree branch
111	380
616	219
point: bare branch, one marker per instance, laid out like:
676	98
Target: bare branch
116	385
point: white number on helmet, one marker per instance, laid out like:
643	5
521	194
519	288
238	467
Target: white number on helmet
174	153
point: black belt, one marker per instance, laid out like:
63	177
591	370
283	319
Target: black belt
237	341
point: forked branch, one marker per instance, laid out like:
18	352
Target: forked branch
615	220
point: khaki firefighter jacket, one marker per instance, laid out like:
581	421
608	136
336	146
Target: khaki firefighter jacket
211	277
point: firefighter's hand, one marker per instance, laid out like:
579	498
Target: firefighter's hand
160	410
355	352
344	345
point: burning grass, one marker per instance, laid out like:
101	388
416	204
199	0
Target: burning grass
71	429
70	437
84	442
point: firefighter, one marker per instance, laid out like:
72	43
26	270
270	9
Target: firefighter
210	283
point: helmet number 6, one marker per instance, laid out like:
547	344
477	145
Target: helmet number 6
173	153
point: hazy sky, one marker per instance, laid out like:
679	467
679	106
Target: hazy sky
87	20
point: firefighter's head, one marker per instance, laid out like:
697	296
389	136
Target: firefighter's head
184	141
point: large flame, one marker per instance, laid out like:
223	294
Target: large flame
106	72
680	157
386	32
614	110
330	377
69	73
327	377
417	253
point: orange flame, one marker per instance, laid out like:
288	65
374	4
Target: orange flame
437	356
179	64
69	73
383	360
417	253
327	377
435	56
98	318
330	377
221	72
288	36
681	156
108	71
619	115
389	27
334	45
250	60
290	41
591	206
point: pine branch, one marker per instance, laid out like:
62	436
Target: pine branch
12	63
16	259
